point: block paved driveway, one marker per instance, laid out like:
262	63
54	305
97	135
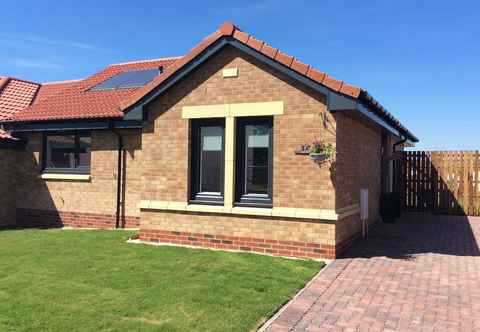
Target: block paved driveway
422	274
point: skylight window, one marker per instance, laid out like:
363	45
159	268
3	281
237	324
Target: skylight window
128	79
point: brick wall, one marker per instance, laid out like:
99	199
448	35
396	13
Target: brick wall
96	197
53	218
276	236
158	169
297	181
358	166
8	164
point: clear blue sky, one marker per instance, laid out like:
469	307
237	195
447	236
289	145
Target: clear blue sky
420	59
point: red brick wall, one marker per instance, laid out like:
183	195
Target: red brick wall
247	244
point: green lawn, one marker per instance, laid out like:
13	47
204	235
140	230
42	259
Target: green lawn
76	280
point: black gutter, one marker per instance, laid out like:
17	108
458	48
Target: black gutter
119	177
398	143
387	116
60	125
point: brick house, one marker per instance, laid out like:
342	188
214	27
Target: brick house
203	150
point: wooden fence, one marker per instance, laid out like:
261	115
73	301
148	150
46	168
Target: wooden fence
446	182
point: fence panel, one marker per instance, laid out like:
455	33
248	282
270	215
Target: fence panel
445	182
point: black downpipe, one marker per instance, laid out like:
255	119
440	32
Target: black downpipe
119	177
394	150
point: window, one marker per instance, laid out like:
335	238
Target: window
207	161
254	161
67	152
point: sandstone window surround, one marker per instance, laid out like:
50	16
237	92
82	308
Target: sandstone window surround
230	112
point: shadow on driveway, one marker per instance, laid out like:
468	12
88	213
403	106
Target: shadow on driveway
418	233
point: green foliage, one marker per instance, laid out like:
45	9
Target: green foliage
325	149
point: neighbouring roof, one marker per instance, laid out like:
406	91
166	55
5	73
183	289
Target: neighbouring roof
15	95
75	100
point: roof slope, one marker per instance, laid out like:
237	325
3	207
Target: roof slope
229	30
15	95
73	100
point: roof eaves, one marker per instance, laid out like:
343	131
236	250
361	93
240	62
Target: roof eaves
377	107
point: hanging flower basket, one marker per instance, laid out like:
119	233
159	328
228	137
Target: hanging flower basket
318	157
320	151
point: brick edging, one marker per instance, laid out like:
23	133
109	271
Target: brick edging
266	246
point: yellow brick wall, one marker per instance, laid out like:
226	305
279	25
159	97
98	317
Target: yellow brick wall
297	181
358	166
95	196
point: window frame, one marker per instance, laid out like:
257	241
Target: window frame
66	170
195	196
241	197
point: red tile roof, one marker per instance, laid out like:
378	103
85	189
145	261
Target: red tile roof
229	30
15	95
73	100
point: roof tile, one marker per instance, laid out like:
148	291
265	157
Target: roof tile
241	36
299	66
284	59
255	43
332	83
350	90
227	28
269	51
315	75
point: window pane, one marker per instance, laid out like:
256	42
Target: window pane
84	151
257	180
211	156
61	151
257	158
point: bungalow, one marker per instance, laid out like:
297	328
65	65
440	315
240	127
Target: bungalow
211	149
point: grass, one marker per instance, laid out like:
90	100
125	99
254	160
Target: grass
82	280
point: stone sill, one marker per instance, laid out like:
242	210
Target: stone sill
63	176
319	214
